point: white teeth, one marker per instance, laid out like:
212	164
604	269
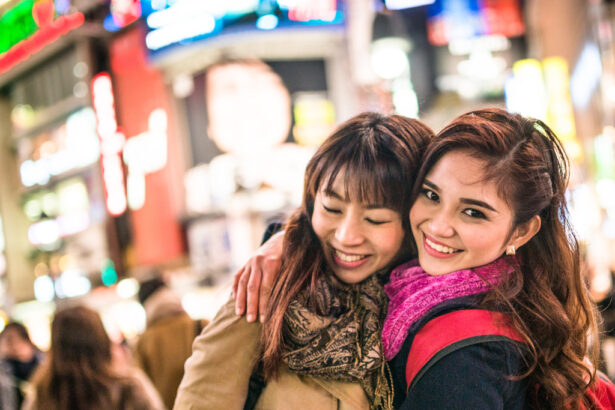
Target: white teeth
348	258
440	248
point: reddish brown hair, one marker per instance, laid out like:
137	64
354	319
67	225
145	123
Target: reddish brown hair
546	297
379	156
76	373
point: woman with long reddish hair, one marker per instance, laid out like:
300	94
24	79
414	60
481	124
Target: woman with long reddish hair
320	344
489	219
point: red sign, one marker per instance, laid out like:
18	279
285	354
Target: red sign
140	89
48	32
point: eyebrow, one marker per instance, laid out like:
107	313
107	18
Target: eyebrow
335	195
468	201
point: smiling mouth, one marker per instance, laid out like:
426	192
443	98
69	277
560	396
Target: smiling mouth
440	248
348	257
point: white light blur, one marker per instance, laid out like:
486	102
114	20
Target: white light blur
481	65
584	212
389	58
72	283
467	45
404	98
164	36
80	147
405	4
73	223
33	173
267	22
128	316
586	76
605	189
135	190
144	154
44	289
127	288
44	233
73	196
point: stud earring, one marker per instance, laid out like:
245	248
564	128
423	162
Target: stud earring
511	250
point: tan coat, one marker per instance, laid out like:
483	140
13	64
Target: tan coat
218	372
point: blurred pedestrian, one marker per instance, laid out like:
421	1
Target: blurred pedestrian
167	341
20	357
80	374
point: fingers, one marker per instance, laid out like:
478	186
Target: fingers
236	281
270	271
252	294
241	278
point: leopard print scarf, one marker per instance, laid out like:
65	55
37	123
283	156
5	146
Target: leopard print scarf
341	342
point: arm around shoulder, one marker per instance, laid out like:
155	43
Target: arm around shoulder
217	374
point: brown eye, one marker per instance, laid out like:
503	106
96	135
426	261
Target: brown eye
473	213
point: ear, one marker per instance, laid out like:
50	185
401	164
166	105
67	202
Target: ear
524	232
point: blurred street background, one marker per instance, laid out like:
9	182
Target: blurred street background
163	135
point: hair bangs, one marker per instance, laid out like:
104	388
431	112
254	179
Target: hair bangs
368	178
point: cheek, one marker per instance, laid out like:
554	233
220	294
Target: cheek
319	224
417	213
390	241
486	241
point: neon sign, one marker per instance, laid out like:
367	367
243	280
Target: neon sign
175	21
111	144
28	27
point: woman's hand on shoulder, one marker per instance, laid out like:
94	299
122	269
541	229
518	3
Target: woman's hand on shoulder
252	283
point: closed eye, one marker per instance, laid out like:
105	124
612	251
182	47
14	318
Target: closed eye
375	222
332	210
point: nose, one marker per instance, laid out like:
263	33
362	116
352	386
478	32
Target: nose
441	225
348	232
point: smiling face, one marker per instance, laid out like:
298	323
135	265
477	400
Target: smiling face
358	239
458	220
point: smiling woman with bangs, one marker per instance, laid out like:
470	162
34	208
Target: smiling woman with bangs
320	343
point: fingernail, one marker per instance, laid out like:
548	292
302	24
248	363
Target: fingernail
238	311
262	318
251	317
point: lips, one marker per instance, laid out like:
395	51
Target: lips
438	249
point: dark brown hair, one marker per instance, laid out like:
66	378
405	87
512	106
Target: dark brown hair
546	297
379	156
76	373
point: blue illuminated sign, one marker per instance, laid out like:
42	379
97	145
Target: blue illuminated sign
172	22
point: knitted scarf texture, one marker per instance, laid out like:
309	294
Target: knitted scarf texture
413	292
340	339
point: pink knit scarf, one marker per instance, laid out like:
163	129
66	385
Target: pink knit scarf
413	292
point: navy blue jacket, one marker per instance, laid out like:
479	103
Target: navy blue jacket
474	377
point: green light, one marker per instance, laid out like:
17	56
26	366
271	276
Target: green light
108	273
16	25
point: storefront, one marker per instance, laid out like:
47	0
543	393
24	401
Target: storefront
61	235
